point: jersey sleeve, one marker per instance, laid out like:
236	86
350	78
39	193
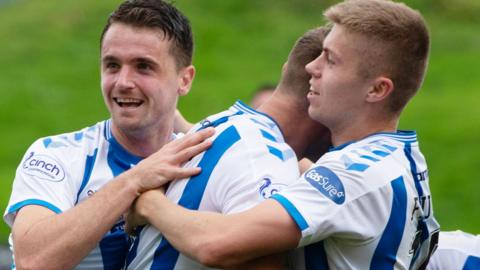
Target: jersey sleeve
44	178
251	176
330	200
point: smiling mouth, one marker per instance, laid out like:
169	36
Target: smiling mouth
128	102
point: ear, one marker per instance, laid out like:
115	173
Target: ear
186	78
381	89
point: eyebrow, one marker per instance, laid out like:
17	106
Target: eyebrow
108	58
111	58
329	52
146	60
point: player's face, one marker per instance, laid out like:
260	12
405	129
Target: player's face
337	91
140	80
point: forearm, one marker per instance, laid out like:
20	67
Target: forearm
65	239
224	241
277	261
62	241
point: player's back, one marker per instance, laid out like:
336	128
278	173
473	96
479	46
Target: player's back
248	161
456	250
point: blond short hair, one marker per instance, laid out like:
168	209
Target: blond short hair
399	32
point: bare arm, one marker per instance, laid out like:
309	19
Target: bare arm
42	238
217	240
271	262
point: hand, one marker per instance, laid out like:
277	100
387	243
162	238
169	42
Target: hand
304	164
133	220
165	165
138	212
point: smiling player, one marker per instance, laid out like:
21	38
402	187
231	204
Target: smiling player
65	210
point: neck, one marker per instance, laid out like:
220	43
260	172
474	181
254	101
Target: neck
362	127
143	143
297	127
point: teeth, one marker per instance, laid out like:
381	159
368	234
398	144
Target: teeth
127	100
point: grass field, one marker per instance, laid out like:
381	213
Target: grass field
49	80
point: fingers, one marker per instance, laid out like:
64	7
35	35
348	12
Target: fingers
180	173
186	154
192	139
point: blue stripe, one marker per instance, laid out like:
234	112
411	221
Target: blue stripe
106	133
21	204
207	123
413	168
292	211
119	159
268	136
114	245
47	142
370	158
87	172
165	255
389	147
422	226
247	108
359	167
132	253
114	249
316	257
380	153
472	263
385	254
244	107
276	152
78	136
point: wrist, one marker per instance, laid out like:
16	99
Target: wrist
131	182
145	205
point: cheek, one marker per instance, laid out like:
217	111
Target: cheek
106	83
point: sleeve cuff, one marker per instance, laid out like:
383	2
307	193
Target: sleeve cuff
292	211
17	206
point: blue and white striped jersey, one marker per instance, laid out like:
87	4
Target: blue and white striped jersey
248	161
58	172
456	251
365	205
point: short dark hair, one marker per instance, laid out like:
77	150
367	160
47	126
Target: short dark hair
157	14
307	48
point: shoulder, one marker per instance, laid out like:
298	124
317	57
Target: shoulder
62	150
361	167
80	140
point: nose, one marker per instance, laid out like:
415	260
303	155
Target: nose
125	78
314	68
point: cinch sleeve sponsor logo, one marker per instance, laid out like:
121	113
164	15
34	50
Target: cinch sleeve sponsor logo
43	167
327	182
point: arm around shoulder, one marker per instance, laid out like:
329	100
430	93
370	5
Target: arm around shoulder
217	240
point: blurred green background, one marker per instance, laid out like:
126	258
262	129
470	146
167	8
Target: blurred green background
49	79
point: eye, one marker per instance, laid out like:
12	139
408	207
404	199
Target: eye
329	59
144	66
111	66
